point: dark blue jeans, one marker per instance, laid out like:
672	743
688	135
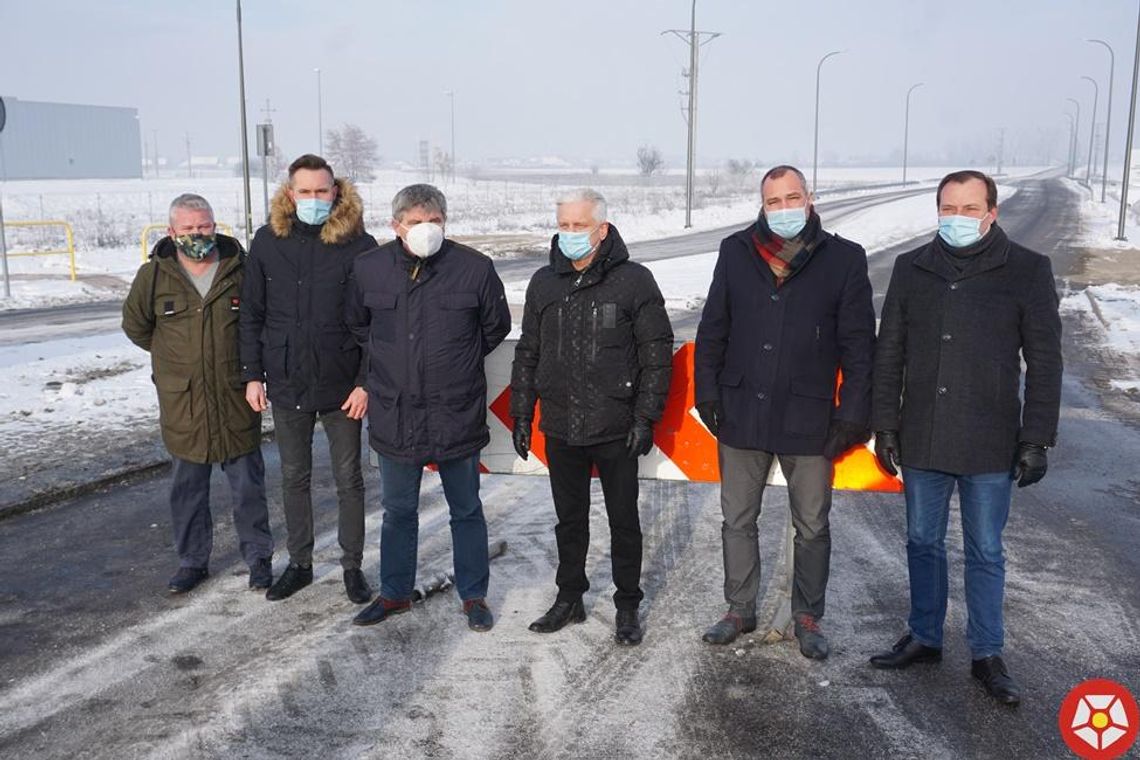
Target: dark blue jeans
400	529
190	509
985	501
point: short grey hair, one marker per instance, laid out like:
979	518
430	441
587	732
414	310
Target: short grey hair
189	202
417	196
588	195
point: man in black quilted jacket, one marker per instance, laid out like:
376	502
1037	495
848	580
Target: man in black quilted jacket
596	350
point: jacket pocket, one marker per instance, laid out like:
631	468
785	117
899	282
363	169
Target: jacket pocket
460	315
384	417
808	411
383	315
275	356
175	407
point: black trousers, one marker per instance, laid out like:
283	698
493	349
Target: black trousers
294	433
570	469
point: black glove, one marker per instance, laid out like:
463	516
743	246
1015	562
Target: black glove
520	436
640	439
842	436
887	450
712	414
1030	464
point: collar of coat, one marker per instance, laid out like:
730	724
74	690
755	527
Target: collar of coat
611	252
345	223
993	250
228	248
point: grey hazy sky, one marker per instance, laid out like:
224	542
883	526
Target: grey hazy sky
588	80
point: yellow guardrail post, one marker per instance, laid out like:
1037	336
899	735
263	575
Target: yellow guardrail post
145	239
70	250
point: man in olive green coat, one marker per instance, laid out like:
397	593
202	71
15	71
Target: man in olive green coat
183	308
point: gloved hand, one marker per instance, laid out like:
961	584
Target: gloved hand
887	450
842	436
712	414
520	436
639	440
1030	464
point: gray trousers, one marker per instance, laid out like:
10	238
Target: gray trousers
294	434
743	474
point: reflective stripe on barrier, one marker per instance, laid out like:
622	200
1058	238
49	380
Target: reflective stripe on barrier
683	448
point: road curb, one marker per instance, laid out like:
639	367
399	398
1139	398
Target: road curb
120	476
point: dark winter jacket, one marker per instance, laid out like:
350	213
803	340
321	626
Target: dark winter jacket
293	334
770	355
596	347
425	341
948	362
193	345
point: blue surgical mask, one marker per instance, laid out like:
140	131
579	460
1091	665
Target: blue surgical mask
575	245
313	210
786	222
960	231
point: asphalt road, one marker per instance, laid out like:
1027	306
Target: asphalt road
96	661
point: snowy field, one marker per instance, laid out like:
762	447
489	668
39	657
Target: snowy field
108	217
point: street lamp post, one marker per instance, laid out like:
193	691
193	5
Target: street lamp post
815	147
320	117
1092	130
1069	157
248	219
451	96
1076	138
1107	116
906	127
1128	141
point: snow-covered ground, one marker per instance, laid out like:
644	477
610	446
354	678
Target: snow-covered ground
1111	297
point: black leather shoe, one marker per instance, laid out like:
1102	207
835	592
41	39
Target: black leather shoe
628	628
380	610
813	644
904	654
261	575
291	581
479	617
558	616
992	674
728	628
358	590
187	578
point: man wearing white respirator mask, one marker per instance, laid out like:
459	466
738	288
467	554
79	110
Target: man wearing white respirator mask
426	311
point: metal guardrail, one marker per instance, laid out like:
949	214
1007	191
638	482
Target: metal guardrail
69	250
144	239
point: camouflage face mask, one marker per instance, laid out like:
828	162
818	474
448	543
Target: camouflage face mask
195	246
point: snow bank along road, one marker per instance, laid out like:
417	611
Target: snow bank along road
95	661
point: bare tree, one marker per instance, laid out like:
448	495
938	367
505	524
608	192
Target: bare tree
740	168
352	153
649	160
713	178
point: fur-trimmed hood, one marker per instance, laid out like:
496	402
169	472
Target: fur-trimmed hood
345	223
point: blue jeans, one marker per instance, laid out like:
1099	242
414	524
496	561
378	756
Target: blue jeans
400	529
190	509
985	501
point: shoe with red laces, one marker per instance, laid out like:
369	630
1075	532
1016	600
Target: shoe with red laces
380	610
813	644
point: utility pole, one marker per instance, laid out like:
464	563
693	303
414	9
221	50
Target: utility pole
189	161
451	95
1000	150
244	135
266	149
320	117
155	143
1108	116
1128	142
696	40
